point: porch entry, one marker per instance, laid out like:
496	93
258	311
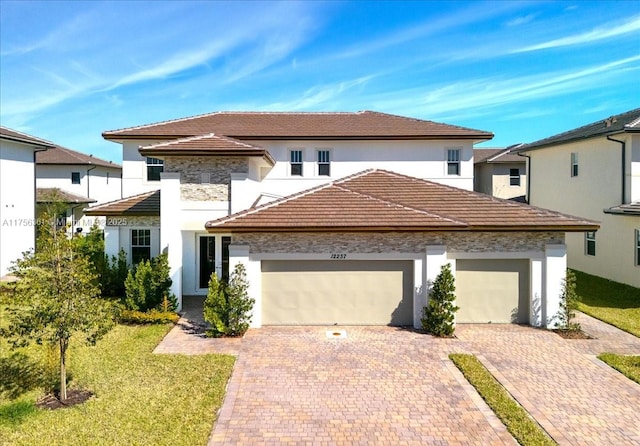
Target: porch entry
213	260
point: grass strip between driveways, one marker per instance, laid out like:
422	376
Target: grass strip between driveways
140	398
629	366
612	302
518	422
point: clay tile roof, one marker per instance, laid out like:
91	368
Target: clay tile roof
307	125
209	144
53	194
491	156
14	135
383	200
147	204
62	155
624	122
625	209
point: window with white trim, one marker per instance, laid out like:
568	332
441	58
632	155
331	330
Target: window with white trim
140	245
590	243
514	177
155	167
574	164
296	163
637	247
75	177
453	161
324	163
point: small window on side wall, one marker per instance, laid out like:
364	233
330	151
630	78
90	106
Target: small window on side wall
453	161
574	164
155	167
296	163
514	177
75	177
637	247
590	243
324	163
140	245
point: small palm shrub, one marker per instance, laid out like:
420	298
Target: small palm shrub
439	314
228	307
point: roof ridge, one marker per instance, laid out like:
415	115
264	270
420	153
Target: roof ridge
199	137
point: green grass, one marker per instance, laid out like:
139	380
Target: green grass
140	398
612	302
518	422
629	366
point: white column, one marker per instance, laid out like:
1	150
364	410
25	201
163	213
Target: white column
536	286
419	291
240	254
111	240
170	235
436	257
555	267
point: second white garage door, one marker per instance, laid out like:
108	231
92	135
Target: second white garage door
337	292
494	291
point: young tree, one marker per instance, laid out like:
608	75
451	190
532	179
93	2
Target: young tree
56	296
227	308
439	314
215	307
569	300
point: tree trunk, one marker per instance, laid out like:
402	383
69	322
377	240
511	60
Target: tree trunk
64	343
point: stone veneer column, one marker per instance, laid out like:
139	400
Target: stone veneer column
555	267
170	235
239	253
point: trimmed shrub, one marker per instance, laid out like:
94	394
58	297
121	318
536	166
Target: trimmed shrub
114	275
228	307
148	317
439	314
148	286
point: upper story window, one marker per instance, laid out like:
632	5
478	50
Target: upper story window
637	247
75	177
296	162
324	163
574	164
155	167
107	177
514	177
140	245
453	161
590	243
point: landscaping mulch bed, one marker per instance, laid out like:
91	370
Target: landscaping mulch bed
573	334
74	397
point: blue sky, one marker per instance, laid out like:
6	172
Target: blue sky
522	70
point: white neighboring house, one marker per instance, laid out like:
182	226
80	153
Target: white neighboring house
594	172
17	194
80	179
500	173
178	175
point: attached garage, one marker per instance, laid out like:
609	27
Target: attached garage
340	292
490	290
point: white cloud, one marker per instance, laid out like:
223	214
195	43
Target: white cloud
522	20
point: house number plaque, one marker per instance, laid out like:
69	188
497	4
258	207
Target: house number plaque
338	256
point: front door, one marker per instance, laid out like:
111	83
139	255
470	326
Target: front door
212	259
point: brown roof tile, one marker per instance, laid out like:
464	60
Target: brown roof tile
209	144
308	125
53	194
14	135
497	155
147	204
63	155
382	200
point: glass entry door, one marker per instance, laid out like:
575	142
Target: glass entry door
213	257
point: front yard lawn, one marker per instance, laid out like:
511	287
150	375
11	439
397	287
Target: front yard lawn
629	366
140	398
612	302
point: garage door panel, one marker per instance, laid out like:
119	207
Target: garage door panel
345	292
495	291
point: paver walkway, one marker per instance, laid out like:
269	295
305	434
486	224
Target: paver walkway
382	385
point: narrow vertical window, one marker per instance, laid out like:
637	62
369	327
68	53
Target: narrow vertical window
574	164
140	245
590	242
155	167
637	247
324	163
453	161
296	163
75	177
514	177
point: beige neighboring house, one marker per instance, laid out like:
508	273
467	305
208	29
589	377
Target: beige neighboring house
594	172
17	194
500	172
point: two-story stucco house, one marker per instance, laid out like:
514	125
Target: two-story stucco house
17	194
79	180
594	172
339	217
500	173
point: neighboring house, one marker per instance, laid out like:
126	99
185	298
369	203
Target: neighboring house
594	172
336	234
17	194
500	173
72	213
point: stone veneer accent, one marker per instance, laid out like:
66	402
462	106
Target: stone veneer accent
396	242
133	221
219	168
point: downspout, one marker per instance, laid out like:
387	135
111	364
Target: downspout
528	199
624	162
88	180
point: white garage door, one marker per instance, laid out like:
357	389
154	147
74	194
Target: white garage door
337	292
494	291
